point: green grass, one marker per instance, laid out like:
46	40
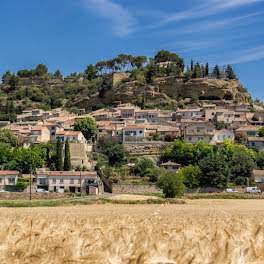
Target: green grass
149	201
223	196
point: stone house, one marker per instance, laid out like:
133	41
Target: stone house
256	142
199	131
171	166
136	132
8	179
258	176
72	136
249	131
74	181
188	113
39	134
223	134
169	130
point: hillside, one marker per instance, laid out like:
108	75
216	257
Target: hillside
160	82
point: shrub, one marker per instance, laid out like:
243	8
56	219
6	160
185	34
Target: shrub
172	185
141	167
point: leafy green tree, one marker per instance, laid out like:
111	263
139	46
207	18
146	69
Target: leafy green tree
14	82
87	126
58	74
8	137
41	70
188	74
172	185
230	73
6	75
260	160
155	173
142	165
261	132
216	72
241	166
58	163
215	171
67	156
116	154
139	61
22	183
191	175
90	72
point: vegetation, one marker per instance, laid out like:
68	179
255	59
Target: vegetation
58	162
67	157
87	126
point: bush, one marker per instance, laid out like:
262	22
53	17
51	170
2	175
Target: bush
172	185
170	137
141	167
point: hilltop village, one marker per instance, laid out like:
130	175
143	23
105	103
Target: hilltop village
135	128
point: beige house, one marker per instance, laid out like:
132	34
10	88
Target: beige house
199	131
8	179
72	136
249	131
169	130
258	176
39	134
134	132
171	166
256	142
73	181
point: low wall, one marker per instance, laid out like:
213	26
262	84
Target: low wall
25	196
135	188
146	148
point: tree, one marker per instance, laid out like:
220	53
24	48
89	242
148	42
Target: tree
172	185
261	132
87	126
67	156
41	70
58	162
8	137
206	69
241	166
116	154
260	160
90	72
191	176
216	72
230	73
14	82
215	171
192	68
197	71
142	165
58	74
139	61
155	173
6	76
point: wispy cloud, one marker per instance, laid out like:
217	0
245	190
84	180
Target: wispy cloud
252	54
122	21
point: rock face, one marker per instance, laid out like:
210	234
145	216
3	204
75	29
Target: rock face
205	89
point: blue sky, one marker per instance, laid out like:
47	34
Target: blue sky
69	34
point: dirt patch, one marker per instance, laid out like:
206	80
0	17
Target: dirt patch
130	197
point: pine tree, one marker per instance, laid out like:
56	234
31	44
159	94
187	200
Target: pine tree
12	109
216	72
67	157
192	69
59	155
7	107
197	71
230	73
143	103
206	69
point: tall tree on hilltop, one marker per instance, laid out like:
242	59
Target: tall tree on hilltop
59	155
206	69
230	73
192	68
216	72
67	157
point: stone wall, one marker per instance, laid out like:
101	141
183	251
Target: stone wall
135	188
146	148
25	196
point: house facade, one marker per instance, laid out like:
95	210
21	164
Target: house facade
8	179
171	166
223	134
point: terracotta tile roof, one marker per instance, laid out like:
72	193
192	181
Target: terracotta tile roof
134	127
9	172
74	133
62	132
254	139
68	173
37	127
258	172
249	128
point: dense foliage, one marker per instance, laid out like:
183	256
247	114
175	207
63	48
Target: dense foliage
87	126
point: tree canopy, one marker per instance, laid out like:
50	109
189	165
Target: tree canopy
87	126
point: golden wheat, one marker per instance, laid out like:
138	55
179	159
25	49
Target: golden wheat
201	231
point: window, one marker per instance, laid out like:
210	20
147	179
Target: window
253	144
224	137
100	130
53	128
140	132
175	168
229	136
61	180
0	180
71	181
54	180
79	181
218	137
200	138
210	138
190	138
11	180
42	181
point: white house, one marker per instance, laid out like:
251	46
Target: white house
134	131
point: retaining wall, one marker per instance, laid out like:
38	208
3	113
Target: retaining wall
25	196
135	188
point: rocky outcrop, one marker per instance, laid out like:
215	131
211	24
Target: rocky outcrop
205	88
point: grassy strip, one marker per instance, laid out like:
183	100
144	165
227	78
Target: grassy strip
223	196
149	201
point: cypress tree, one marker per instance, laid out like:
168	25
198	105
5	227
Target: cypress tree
192	69
67	157
206	69
217	72
59	155
230	73
7	107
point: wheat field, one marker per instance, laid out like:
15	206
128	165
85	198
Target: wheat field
200	231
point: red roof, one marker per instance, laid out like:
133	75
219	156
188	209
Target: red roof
38	127
68	173
134	127
9	172
62	132
74	133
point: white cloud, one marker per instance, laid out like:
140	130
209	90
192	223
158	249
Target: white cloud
252	54
123	22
